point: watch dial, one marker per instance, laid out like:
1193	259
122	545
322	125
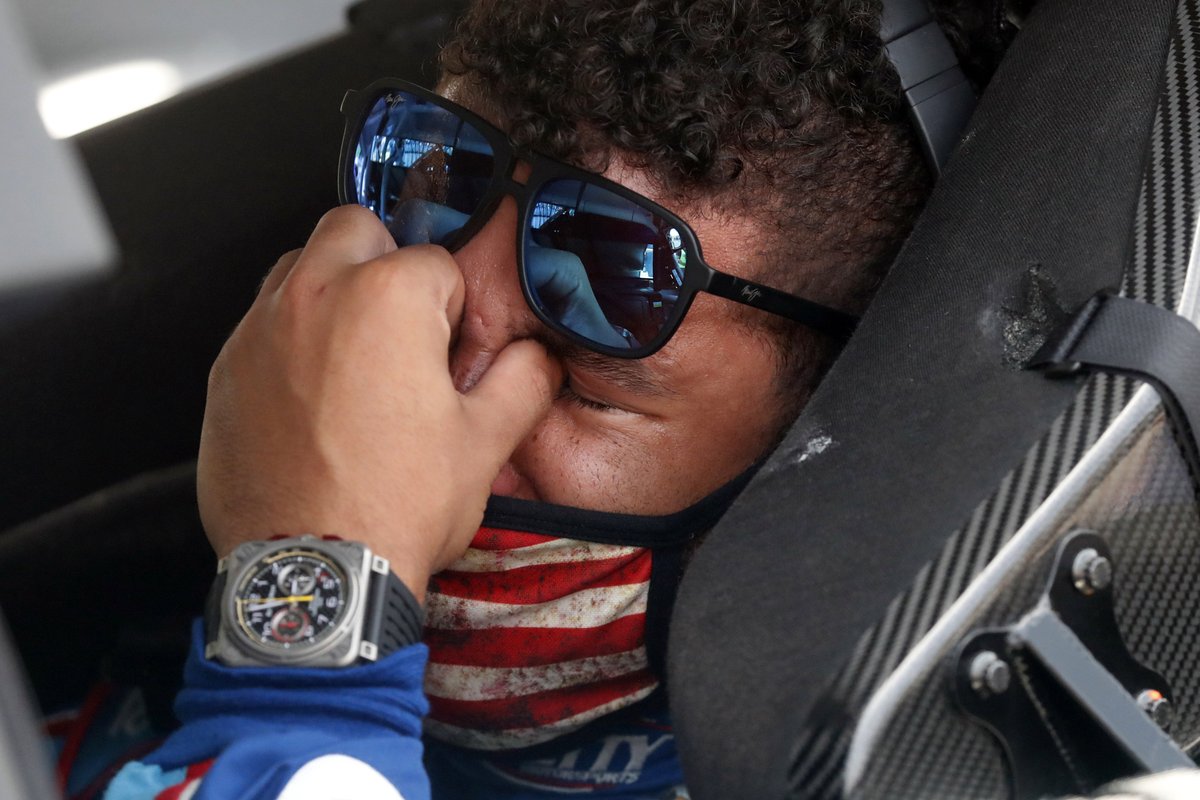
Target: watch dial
291	598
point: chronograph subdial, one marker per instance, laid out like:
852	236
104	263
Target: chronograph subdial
297	578
290	624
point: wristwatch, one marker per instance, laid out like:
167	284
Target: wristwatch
307	602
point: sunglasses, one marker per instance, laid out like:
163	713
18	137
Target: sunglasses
598	263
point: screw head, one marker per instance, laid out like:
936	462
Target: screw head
1091	572
989	674
1157	707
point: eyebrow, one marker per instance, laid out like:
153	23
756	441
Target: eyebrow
632	375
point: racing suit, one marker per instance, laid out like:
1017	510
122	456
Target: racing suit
288	733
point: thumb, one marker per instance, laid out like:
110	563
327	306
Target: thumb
513	396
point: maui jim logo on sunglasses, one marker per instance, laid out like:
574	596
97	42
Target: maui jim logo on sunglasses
394	99
750	294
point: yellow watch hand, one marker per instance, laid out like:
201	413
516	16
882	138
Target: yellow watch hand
295	598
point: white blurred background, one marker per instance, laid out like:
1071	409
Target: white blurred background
100	59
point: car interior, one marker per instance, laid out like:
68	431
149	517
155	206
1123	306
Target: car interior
971	569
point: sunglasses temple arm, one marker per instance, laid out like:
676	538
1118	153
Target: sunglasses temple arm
830	321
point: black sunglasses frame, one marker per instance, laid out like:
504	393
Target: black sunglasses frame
698	277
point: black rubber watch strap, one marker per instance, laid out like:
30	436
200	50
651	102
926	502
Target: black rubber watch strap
394	618
212	608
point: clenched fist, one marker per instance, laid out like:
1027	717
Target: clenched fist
331	409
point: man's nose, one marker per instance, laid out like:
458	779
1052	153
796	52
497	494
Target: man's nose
495	313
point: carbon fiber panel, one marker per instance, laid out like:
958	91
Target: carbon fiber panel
1143	503
969	762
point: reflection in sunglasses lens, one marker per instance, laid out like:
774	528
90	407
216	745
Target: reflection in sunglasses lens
602	266
596	264
420	168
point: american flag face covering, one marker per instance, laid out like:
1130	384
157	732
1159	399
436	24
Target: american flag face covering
541	627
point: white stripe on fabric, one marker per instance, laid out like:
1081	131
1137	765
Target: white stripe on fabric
338	777
559	551
498	683
526	737
587	608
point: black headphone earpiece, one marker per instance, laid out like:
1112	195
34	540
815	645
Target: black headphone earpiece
939	96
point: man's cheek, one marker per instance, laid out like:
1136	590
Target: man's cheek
604	468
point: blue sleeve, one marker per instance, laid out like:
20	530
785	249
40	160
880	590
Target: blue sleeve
263	725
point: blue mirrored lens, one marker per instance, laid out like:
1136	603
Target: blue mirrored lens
601	265
420	168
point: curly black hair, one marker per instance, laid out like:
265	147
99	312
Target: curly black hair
786	112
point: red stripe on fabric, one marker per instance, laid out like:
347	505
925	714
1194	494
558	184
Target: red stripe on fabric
543	583
171	793
194	773
93	704
500	539
174	792
59	727
533	647
536	710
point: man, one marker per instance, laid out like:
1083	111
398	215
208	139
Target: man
774	131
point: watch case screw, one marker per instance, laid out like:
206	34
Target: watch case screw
1157	707
989	674
1091	572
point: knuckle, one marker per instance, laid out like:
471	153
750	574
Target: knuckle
423	266
430	257
219	371
277	272
432	253
301	287
215	373
356	222
350	216
378	278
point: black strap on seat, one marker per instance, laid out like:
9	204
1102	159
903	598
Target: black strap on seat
940	98
1128	337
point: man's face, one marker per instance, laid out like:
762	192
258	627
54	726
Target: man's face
646	436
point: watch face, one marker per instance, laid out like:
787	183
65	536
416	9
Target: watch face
291	599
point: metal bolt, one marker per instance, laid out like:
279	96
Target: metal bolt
989	674
1091	572
1158	707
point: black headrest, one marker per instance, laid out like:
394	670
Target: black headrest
927	409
